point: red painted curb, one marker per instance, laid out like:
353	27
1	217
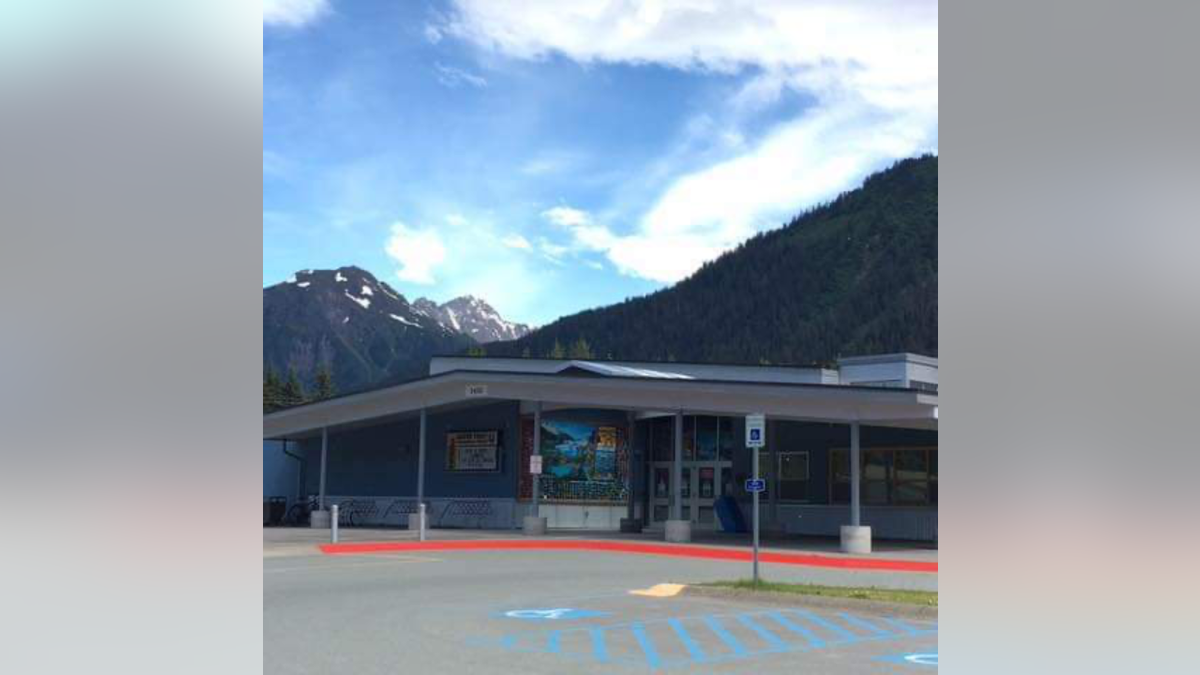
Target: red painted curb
806	559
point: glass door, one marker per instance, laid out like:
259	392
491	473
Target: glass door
703	484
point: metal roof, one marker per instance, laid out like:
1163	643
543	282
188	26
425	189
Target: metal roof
782	400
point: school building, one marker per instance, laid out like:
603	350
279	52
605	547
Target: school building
625	445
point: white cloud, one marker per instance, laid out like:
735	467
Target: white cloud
565	216
452	77
292	13
419	252
433	34
871	69
518	242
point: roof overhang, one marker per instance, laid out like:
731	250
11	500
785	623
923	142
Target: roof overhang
876	406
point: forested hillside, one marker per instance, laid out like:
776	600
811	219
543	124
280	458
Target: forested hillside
856	276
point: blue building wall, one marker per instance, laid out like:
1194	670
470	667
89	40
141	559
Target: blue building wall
280	472
381	460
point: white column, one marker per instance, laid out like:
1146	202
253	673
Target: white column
421	461
855	537
855	474
631	471
534	524
324	460
535	507
677	471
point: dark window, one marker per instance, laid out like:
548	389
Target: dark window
793	475
706	439
890	477
662	439
725	438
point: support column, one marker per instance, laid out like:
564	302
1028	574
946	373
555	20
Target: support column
421	460
855	537
414	519
855	476
535	524
678	529
630	523
320	517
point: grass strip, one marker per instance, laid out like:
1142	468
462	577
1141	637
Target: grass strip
924	598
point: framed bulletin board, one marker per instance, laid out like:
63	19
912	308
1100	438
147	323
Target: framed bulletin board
473	451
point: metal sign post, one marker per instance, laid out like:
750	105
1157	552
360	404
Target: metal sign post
756	438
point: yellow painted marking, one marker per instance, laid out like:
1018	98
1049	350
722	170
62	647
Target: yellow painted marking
660	591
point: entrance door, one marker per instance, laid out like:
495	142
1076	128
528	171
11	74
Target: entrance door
702	483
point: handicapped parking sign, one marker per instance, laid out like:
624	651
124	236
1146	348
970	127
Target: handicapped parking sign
756	428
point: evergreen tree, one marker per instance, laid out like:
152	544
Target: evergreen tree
857	275
292	392
580	349
272	390
325	387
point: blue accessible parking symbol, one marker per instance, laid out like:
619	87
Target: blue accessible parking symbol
920	659
560	614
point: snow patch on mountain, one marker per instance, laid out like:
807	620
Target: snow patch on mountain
364	302
472	316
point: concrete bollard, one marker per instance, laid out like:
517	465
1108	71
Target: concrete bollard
333	522
856	539
534	526
678	531
418	522
318	520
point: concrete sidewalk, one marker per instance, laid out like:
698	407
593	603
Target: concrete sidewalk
303	541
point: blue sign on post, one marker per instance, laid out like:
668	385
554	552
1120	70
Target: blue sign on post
756	485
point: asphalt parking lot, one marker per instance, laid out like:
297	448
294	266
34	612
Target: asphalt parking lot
563	612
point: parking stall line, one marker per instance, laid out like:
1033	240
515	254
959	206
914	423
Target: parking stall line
652	658
599	648
682	641
730	641
767	636
846	635
693	647
904	626
861	623
814	641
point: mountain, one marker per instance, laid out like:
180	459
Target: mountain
472	316
367	332
855	276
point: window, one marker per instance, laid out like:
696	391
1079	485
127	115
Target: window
793	475
890	476
706	439
876	485
912	477
725	438
662	439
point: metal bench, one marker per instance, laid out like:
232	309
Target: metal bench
402	508
300	512
467	508
357	511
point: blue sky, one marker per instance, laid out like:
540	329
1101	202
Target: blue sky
550	160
